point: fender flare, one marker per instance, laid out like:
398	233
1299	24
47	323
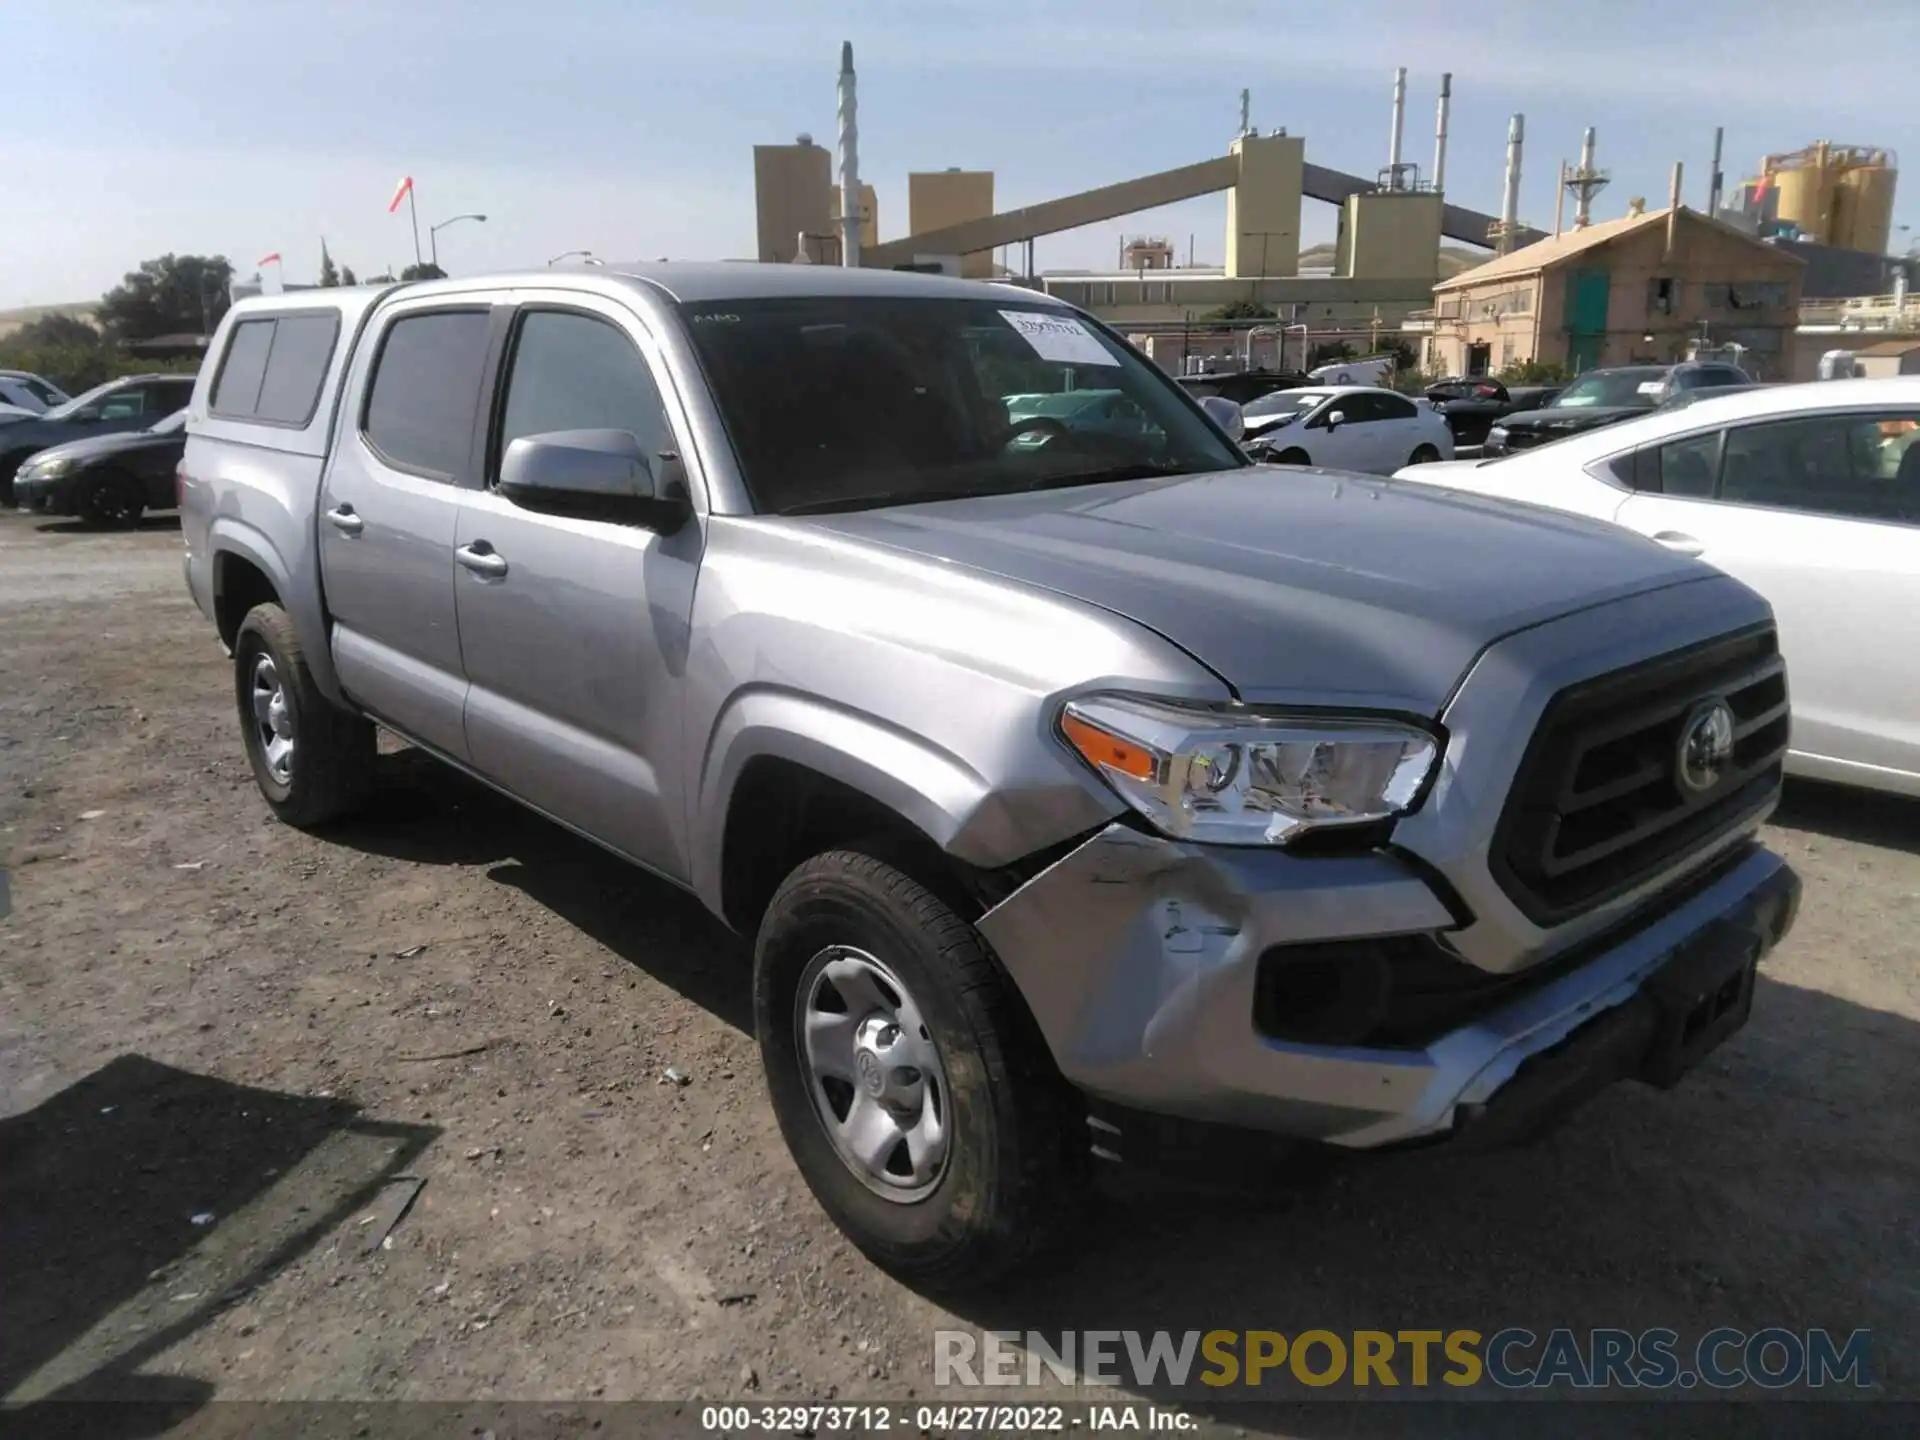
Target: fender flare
229	536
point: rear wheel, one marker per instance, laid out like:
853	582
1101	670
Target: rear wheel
911	1086
312	761
1425	455
110	500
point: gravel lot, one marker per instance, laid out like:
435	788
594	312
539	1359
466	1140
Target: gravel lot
221	1040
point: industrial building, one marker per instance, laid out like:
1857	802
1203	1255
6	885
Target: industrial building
1649	287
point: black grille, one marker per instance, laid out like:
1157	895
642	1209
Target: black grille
1597	806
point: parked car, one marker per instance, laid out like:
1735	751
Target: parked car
1070	791
1808	493
1244	385
1606	397
28	391
132	403
107	480
1345	427
10	413
1092	410
1472	403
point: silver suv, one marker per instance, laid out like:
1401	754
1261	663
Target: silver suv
1074	782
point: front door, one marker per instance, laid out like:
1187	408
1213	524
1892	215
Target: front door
1588	294
388	518
1821	515
575	631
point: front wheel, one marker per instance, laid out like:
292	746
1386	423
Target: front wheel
110	501
907	1077
312	761
1425	455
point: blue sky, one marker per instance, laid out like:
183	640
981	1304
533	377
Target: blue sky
626	126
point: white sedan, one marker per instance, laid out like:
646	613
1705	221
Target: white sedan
1810	494
1344	427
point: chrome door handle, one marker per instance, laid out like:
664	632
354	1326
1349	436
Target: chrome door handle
342	518
1679	543
482	559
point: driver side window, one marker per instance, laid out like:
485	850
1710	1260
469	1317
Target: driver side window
577	372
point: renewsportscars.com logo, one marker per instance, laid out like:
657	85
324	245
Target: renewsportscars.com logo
1514	1358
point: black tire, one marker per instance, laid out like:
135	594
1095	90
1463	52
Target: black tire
9	466
1293	456
109	500
330	774
1013	1177
1425	455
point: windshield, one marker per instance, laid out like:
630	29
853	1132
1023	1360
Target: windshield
1282	404
839	402
172	425
1640	389
79	402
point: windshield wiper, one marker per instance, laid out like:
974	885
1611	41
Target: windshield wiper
1139	470
1144	470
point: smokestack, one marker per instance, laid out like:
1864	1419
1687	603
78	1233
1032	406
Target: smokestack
1583	212
1399	124
1716	182
1246	113
849	162
1440	133
1560	201
1510	203
1673	209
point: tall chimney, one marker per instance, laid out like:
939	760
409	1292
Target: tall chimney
1246	113
1560	201
1399	124
1440	133
1510	203
1583	212
849	162
1716	182
1673	209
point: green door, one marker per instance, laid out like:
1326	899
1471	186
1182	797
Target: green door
1587	292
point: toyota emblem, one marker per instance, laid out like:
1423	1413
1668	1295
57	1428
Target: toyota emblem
1706	747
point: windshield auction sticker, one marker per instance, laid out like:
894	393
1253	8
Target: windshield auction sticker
1059	337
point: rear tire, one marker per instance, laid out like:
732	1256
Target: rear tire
1294	456
1425	455
312	761
111	500
927	1000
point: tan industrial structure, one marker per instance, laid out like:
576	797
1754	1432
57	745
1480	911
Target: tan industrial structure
1840	195
1390	235
1645	287
794	196
1888	358
937	199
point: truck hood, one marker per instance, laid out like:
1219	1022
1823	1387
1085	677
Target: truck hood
1294	586
1571	419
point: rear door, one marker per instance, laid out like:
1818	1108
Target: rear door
390	508
575	631
1821	515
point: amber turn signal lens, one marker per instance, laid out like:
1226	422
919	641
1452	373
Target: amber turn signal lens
1105	750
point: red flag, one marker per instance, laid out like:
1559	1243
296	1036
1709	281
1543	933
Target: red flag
273	259
1760	189
400	193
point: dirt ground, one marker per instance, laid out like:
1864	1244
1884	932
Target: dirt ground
221	1041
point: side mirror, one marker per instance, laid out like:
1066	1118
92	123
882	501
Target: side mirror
1226	415
597	475
1335	419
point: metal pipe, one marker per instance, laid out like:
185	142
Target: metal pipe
1510	202
849	162
1583	211
1673	209
1440	133
1399	125
1716	182
1560	201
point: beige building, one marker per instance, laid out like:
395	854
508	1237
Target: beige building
1643	288
937	199
1887	358
795	195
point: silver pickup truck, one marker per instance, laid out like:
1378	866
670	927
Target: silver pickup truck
1077	782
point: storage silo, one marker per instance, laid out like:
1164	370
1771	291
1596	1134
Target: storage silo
1863	203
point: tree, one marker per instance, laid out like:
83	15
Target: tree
329	272
1405	357
174	295
347	277
423	272
1532	372
1329	352
1241	310
56	329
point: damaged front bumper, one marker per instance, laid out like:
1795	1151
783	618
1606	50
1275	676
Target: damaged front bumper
1144	961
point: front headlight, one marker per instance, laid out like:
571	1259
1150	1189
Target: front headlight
1498	432
1242	778
48	469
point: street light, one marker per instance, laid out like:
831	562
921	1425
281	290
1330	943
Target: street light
568	255
433	235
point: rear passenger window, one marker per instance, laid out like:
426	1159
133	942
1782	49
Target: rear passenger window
274	368
426	383
573	372
1688	468
302	346
237	390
